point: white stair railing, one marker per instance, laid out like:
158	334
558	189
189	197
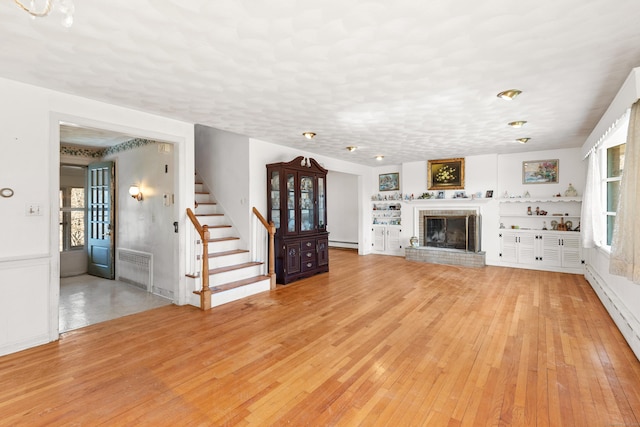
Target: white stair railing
262	245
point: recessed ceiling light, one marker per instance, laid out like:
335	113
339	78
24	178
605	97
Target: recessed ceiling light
517	124
309	135
509	94
352	148
523	140
379	157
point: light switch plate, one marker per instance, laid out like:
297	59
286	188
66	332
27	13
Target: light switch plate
33	209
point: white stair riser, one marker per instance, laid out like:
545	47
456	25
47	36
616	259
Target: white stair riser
202	198
212	220
206	209
220	298
226	245
199	188
217	233
234	275
227	260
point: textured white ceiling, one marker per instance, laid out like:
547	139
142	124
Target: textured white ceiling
408	79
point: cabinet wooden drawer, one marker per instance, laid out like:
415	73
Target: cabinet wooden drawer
308	263
308	245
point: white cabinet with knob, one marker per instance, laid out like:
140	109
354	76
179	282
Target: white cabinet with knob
386	239
541	250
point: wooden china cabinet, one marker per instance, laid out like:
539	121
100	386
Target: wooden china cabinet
297	201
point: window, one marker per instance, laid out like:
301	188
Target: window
72	207
615	166
71	218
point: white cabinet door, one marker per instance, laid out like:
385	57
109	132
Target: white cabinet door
379	234
509	246
571	250
527	248
393	240
550	252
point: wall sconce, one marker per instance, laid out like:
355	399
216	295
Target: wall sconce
135	192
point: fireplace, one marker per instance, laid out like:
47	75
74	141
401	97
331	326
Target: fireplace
452	232
449	229
447	236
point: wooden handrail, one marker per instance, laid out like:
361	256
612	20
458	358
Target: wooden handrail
203	231
195	221
271	229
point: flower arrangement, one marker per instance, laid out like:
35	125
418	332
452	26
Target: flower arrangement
445	174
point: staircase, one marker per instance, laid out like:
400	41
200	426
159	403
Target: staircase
232	273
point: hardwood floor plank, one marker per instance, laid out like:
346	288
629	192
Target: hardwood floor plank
376	341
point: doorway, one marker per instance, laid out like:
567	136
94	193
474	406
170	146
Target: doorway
127	225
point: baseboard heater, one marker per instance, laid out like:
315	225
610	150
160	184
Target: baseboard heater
135	268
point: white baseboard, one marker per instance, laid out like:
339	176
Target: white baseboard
626	322
339	244
23	345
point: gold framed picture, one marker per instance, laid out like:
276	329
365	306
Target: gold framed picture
445	174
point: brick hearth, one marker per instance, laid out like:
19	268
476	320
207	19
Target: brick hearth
445	256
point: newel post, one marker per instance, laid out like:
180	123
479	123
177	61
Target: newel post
272	255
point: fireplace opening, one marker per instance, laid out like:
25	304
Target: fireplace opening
452	232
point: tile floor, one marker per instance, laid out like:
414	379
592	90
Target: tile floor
86	300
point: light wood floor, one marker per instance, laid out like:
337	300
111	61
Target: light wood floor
376	341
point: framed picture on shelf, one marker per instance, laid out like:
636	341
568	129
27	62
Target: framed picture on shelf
489	194
389	181
445	174
440	195
540	172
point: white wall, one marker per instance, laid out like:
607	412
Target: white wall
222	163
29	251
571	170
620	296
342	210
147	225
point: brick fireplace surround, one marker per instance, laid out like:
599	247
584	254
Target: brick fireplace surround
442	255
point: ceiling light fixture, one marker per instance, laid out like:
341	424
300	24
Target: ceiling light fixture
66	7
352	148
509	94
309	135
523	140
379	157
517	124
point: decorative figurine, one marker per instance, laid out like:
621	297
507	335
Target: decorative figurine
571	192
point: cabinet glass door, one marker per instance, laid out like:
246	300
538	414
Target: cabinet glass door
291	203
275	198
307	204
322	211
